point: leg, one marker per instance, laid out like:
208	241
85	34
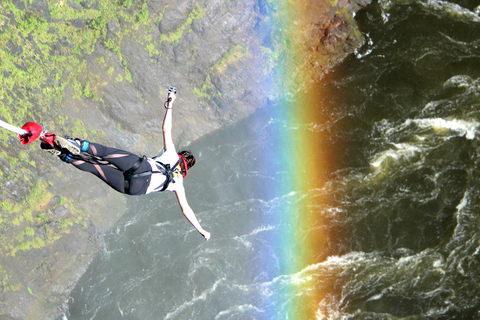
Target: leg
66	147
110	175
122	159
115	178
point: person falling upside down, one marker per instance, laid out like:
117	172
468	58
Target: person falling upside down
128	173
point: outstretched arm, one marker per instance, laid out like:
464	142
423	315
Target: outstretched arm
167	122
189	214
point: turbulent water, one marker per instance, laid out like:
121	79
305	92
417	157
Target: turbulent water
403	216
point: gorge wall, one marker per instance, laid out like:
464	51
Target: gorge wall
100	70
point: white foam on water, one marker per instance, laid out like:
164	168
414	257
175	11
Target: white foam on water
446	128
123	228
236	311
453	10
202	297
438	7
402	151
348	260
459	231
310	272
463	203
163	224
441	126
120	309
244	238
433	106
375	297
458	81
369	49
438	311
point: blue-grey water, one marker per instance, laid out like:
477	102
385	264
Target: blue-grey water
402	115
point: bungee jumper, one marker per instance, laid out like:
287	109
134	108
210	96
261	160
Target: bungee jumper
122	170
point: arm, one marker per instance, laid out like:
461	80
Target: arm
167	123
189	214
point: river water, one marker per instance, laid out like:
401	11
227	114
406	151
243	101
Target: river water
404	215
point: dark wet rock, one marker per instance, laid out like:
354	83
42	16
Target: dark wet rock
113	26
175	15
79	23
61	212
55	201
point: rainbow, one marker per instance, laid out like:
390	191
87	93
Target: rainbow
299	243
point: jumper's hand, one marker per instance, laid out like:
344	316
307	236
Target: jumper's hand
171	96
206	235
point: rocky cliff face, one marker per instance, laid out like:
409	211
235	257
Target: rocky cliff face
100	70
